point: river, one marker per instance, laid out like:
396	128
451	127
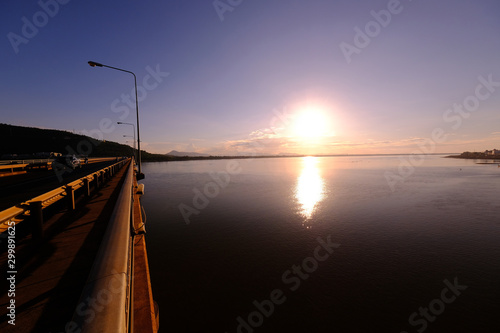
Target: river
324	244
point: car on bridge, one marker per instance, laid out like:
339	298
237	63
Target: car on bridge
70	161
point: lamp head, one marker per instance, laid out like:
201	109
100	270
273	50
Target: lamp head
94	64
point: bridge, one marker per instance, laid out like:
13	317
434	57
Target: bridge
76	258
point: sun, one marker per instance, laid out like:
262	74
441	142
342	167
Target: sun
310	123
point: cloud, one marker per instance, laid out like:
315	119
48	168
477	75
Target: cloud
265	133
163	147
276	140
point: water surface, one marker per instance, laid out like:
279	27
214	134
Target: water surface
226	236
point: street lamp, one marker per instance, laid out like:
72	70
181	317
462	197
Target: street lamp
128	141
140	175
130	136
122	123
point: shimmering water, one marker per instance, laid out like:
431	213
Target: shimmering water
251	258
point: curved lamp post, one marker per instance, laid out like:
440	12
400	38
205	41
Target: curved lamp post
122	123
133	142
140	175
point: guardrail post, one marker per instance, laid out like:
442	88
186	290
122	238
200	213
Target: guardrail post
71	197
96	182
86	184
36	215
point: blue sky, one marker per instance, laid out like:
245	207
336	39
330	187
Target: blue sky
271	77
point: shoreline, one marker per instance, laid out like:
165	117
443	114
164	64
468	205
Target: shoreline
170	158
476	156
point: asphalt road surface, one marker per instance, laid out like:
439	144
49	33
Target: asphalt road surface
20	188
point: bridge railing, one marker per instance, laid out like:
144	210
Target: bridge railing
34	208
25	161
12	167
110	280
48	160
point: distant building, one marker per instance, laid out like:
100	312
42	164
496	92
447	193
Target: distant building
492	152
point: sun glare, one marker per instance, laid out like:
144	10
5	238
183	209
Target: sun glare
310	124
310	187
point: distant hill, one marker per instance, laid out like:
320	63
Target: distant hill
190	154
27	141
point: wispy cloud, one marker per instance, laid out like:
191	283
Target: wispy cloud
163	147
265	133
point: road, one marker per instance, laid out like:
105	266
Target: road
20	188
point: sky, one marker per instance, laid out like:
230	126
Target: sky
261	77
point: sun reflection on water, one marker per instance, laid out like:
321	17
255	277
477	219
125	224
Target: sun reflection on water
310	188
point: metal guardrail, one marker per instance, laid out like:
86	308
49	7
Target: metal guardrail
13	166
25	161
25	165
48	160
110	280
33	208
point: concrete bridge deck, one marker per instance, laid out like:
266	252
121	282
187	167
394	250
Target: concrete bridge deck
51	273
